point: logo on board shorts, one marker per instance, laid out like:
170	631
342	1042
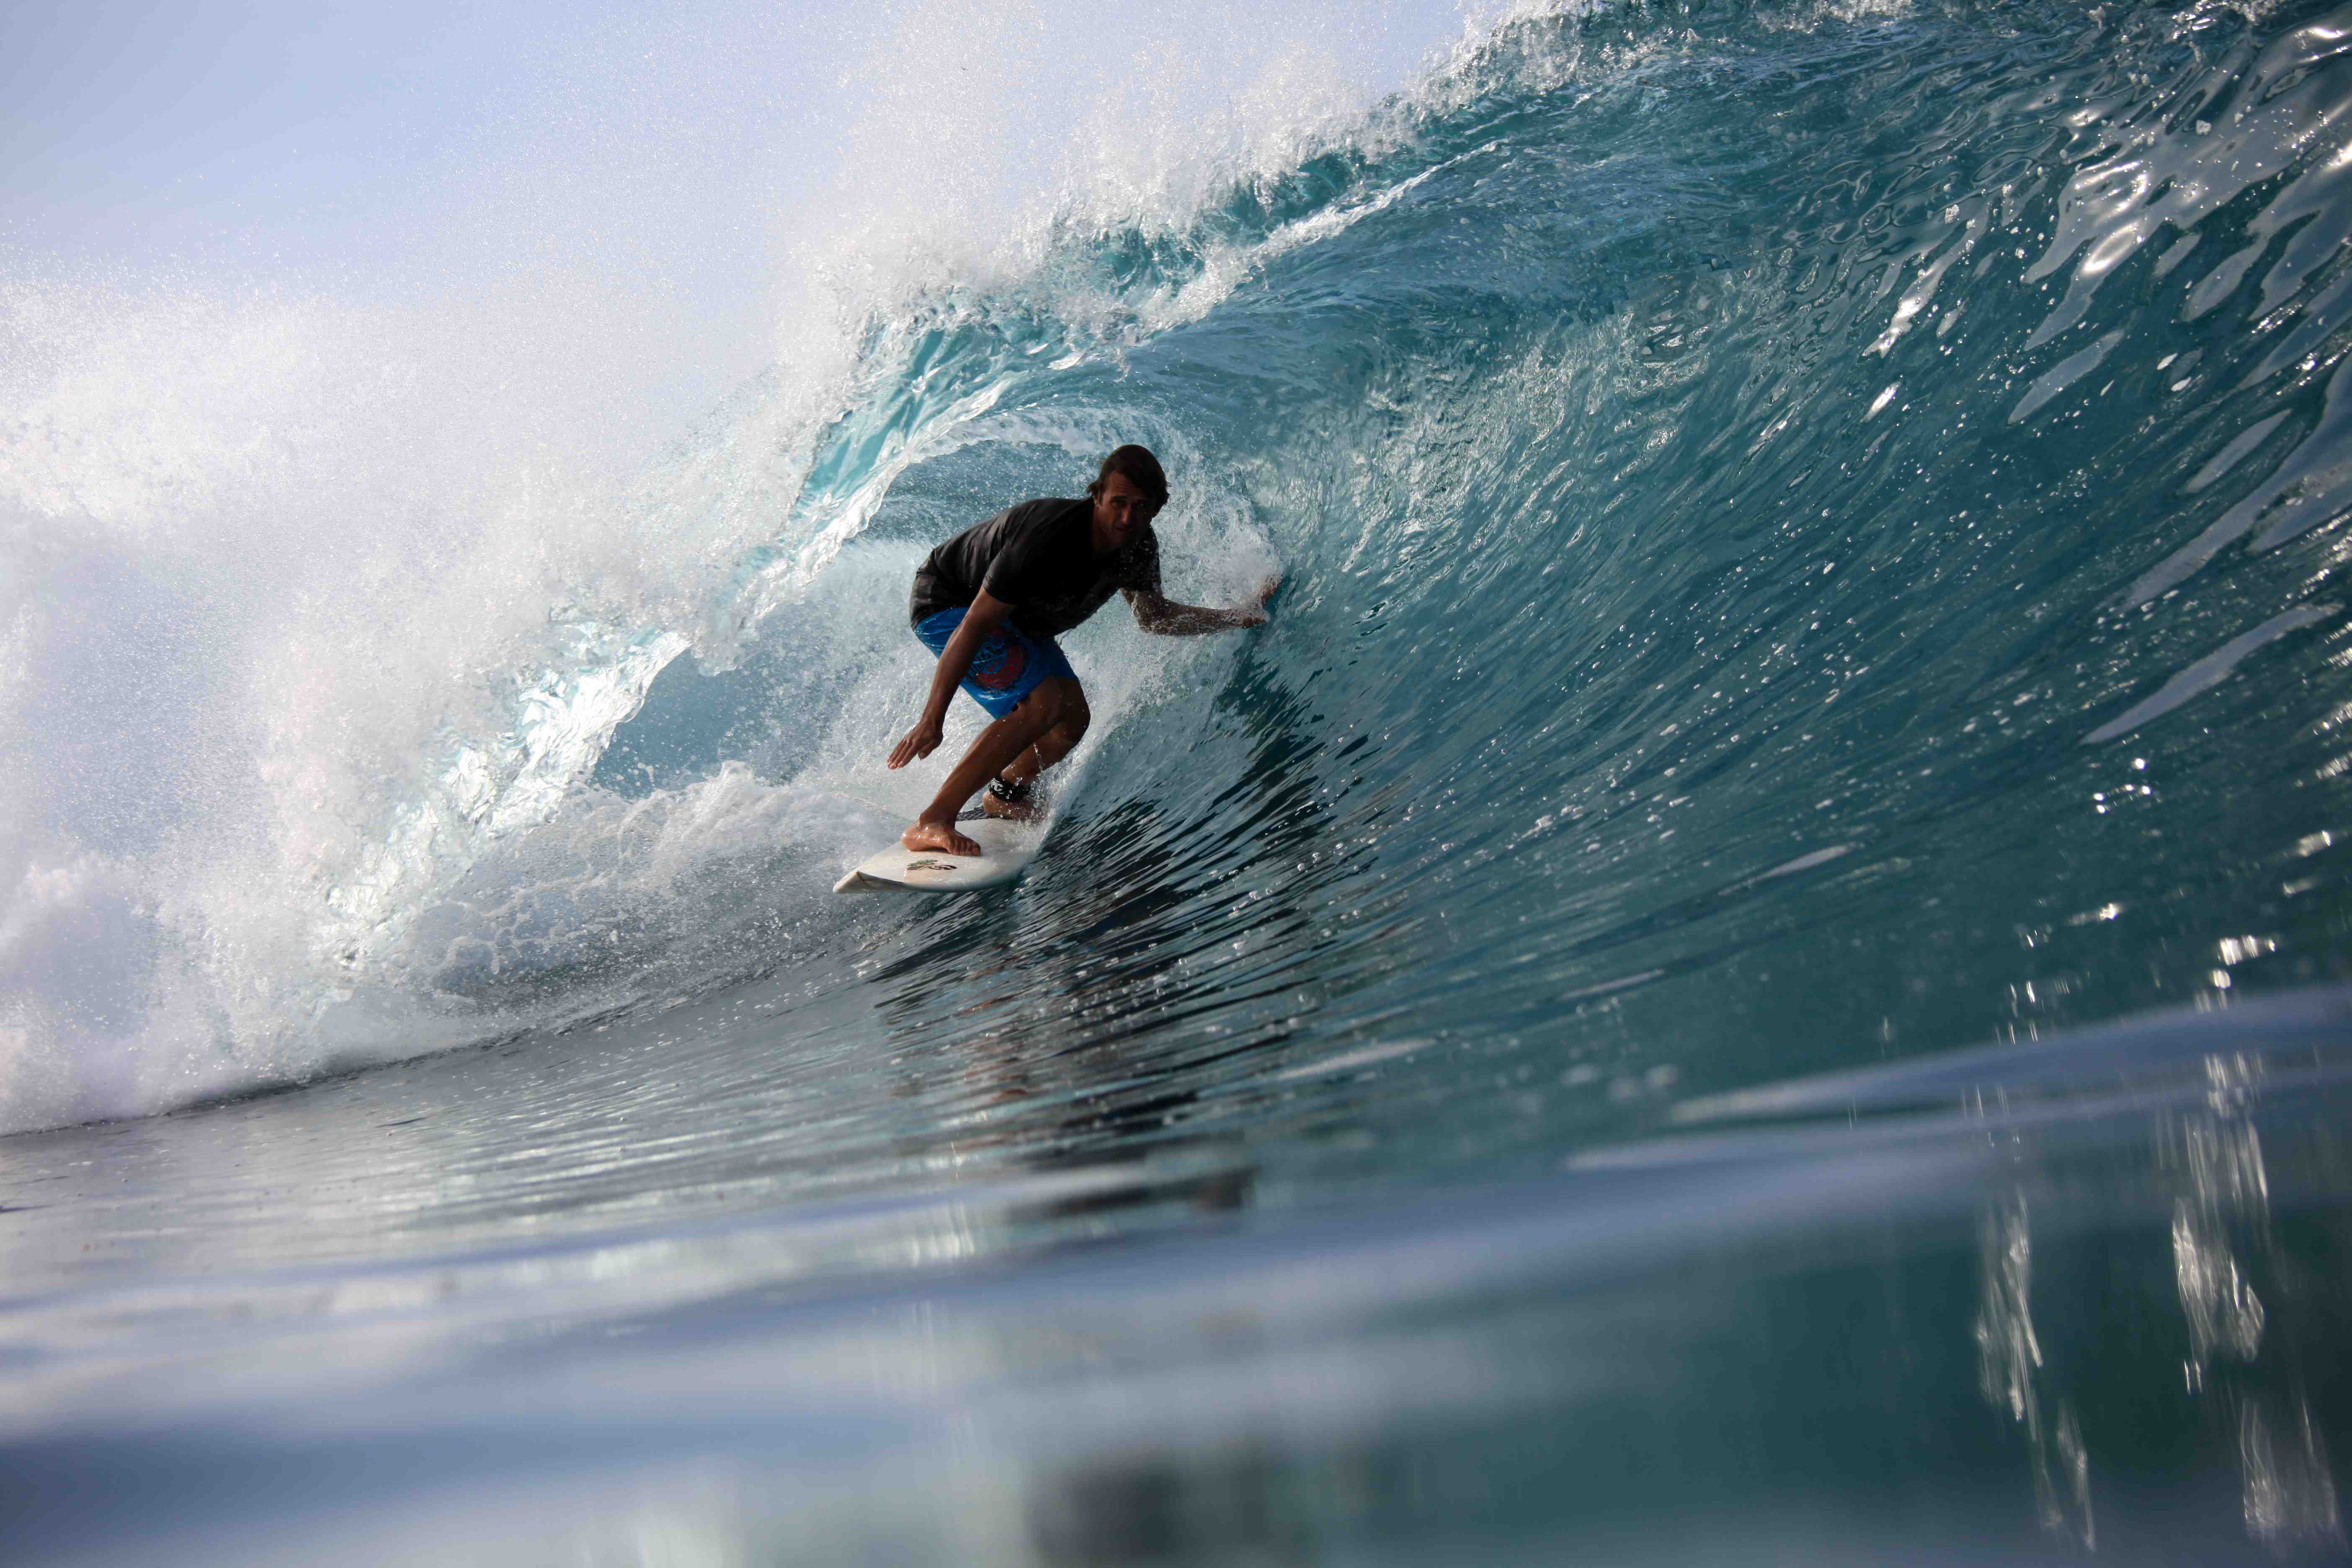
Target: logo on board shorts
999	664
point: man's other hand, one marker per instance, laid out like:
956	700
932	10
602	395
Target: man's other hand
919	742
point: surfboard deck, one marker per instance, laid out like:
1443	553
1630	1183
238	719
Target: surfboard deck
1007	849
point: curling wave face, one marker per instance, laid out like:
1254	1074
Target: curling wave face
1805	540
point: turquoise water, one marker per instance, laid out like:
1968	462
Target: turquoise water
1751	968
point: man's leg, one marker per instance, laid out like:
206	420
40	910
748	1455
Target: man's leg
999	743
1046	749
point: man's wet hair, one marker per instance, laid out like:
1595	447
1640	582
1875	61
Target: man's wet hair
1142	468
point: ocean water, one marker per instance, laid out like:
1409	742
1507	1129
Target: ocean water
1754	967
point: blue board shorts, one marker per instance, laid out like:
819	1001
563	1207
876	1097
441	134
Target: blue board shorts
1009	666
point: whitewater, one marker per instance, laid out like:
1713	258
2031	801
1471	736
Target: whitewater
1753	965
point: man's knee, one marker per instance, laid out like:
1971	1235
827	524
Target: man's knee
1074	717
1045	706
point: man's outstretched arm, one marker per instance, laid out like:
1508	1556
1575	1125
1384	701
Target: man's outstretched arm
1170	619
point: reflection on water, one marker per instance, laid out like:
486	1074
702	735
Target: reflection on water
2008	1362
2220	1159
2251	1392
2215	1155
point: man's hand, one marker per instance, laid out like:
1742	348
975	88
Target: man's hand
1169	618
1245	618
919	742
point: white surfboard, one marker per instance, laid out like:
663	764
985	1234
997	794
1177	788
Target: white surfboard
1007	849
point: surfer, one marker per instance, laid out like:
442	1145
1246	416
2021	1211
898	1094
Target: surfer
990	601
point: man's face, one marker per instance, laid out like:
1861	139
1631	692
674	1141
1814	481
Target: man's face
1119	509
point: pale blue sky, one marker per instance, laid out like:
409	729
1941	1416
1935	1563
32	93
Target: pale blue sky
247	129
674	150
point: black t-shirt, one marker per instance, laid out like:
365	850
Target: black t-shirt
1038	557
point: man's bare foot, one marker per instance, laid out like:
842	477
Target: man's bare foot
939	835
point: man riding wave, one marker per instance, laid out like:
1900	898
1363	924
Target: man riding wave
990	601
